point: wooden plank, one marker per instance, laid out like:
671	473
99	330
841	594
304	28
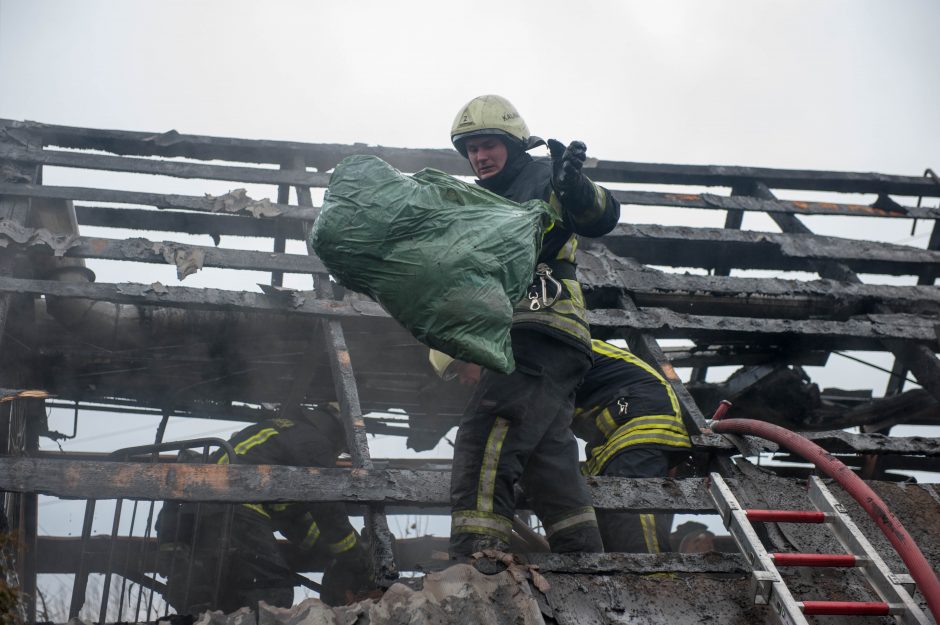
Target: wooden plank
736	205
172	253
600	271
324	156
859	333
293	303
190	223
271	483
729	176
174	169
231	203
854	333
681	246
708	295
258	175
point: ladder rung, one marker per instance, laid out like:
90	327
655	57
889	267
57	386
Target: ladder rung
856	608
786	516
814	559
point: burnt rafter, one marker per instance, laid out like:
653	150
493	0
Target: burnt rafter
151	350
325	156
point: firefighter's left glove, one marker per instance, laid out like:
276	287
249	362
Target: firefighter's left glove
567	179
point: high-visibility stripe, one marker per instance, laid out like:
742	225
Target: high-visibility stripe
577	297
253	441
311	537
580	516
648	523
605	422
568	250
344	545
563	324
491	453
255	507
603	454
476	522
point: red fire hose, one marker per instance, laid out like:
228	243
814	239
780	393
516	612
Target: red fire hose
876	508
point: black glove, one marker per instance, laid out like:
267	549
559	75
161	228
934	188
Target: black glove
566	167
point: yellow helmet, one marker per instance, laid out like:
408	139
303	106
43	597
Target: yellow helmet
489	115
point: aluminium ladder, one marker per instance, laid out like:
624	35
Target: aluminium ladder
770	589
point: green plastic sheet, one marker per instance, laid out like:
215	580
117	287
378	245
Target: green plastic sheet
445	258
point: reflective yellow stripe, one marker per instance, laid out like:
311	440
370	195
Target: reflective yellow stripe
563	324
555	203
580	516
475	522
242	448
494	445
574	288
568	250
344	545
606	349
605	422
602	454
278	507
255	507
310	538
648	523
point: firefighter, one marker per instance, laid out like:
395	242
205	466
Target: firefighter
253	566
630	418
516	426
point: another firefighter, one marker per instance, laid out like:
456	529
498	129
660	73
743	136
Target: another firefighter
630	418
241	560
517	425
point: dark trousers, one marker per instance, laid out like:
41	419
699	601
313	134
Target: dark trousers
629	532
516	427
226	574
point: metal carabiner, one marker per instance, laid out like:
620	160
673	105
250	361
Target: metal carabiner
544	272
622	405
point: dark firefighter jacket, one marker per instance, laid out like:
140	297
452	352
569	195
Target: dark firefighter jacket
567	318
623	404
315	439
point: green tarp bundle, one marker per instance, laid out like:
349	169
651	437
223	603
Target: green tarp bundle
446	259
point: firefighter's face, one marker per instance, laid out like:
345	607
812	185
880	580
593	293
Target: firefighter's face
487	155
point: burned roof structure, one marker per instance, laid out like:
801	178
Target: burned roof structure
122	348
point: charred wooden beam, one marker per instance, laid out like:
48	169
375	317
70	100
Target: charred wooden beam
233	203
190	223
324	156
854	333
169	252
724	176
266	483
637	563
737	205
919	359
172	143
259	175
174	169
292	303
680	246
601	271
